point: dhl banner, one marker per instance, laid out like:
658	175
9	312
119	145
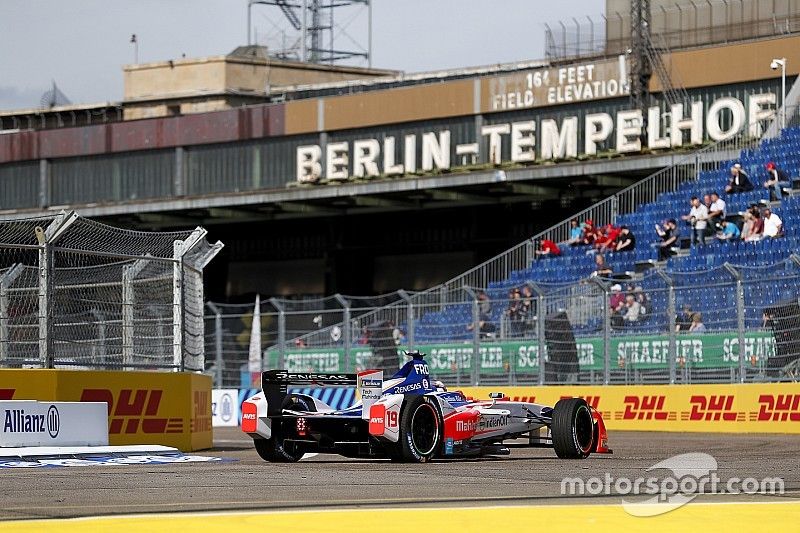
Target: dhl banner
732	408
166	408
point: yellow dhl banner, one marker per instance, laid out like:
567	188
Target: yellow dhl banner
170	409
732	408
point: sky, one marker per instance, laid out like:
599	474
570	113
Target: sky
83	44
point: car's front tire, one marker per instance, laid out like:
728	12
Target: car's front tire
572	429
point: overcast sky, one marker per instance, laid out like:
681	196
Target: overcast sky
82	44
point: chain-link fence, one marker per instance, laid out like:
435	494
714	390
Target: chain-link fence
722	324
76	293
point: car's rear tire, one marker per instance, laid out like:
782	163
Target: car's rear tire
421	428
273	449
572	429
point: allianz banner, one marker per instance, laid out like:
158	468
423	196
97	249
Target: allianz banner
713	350
166	408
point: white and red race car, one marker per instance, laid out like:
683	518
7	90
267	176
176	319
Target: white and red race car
410	418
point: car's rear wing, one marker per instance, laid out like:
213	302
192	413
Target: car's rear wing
275	384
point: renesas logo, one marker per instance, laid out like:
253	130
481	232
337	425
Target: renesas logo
134	411
407	388
713	407
644	408
18	421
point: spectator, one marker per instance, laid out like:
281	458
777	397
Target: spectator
776	181
707	201
616	306
626	242
716	213
697	325
643	299
514	312
602	269
548	247
575	233
756	230
773	226
632	309
527	307
485	326
738	182
730	231
669	239
697	217
609	240
747	224
588	232
684	319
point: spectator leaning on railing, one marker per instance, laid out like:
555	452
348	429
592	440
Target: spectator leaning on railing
575	233
697	325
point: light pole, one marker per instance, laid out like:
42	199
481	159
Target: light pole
135	42
774	66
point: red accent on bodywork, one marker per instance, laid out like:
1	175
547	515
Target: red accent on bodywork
461	424
600	444
249	417
377	417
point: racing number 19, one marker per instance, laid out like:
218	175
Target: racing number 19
391	419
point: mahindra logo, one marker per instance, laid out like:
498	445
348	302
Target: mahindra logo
466	426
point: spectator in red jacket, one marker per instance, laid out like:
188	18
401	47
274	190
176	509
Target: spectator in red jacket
548	247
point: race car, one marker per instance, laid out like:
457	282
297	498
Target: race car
410	418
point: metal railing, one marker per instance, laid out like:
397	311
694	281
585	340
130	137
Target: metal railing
658	327
76	293
681	26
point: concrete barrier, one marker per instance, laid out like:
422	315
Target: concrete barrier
719	408
167	408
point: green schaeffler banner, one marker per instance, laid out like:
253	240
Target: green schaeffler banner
717	350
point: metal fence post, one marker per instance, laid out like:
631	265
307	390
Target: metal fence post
671	314
540	337
218	377
179	250
476	338
739	317
46	239
281	331
6	280
346	334
606	332
410	326
129	273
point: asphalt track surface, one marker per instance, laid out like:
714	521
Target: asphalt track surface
527	477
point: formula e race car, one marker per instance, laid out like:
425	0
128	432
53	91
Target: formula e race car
410	418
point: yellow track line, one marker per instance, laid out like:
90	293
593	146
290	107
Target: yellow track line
731	516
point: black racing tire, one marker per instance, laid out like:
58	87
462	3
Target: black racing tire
421	429
273	450
572	429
